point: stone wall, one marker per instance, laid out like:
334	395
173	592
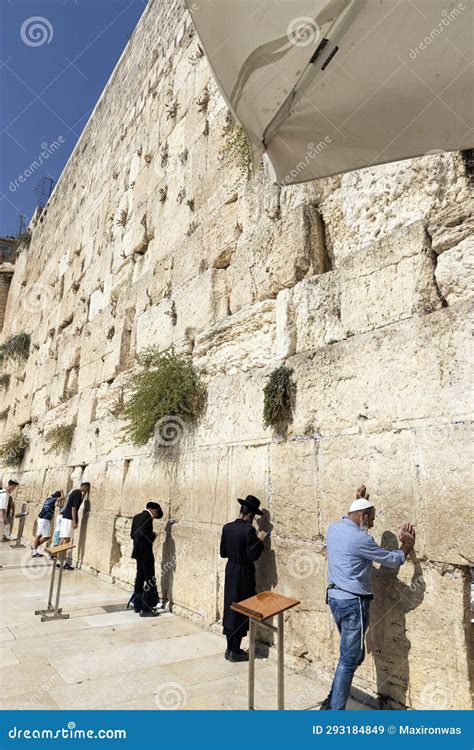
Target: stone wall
360	283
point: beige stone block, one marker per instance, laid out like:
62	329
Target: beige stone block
420	374
241	341
210	490
444	457
414	607
385	462
189	567
200	303
317	311
294	483
453	224
248	474
455	272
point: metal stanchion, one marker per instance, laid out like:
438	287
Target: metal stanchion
21	525
56	612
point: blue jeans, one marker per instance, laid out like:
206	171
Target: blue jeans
352	619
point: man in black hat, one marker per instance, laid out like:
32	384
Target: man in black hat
242	546
145	594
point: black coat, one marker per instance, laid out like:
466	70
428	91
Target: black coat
143	536
240	544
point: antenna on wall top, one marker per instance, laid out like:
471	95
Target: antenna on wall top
43	190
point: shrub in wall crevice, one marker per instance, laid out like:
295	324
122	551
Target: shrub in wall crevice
162	396
60	438
279	400
13	449
17	347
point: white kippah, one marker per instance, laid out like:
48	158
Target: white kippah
360	504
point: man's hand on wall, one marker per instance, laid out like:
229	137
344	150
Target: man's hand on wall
407	537
362	492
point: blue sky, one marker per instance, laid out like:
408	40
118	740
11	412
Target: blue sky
55	59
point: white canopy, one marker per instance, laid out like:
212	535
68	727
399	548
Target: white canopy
327	86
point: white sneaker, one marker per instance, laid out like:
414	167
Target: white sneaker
36	554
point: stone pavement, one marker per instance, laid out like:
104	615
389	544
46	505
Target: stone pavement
104	656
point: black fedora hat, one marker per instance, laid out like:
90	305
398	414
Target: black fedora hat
155	506
252	503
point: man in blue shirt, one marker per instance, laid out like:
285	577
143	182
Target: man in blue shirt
351	552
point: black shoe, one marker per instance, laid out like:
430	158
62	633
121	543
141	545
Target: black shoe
67	566
325	705
238	656
137	611
149	613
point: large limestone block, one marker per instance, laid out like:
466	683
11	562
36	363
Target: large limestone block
200	303
239	342
295	569
93	540
444	455
211	495
248	474
373	203
189	569
419	605
242	393
294	483
453	224
317	311
386	463
455	272
276	256
420	373
388	281
156	325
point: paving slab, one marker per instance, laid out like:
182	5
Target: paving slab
105	656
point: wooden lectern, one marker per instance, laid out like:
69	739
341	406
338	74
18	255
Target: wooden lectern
56	612
258	609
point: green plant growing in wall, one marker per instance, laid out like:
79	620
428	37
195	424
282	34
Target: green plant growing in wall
13	449
5	378
17	347
279	399
237	148
60	438
165	394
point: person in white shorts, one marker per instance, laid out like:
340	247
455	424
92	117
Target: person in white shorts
6	504
43	527
70	519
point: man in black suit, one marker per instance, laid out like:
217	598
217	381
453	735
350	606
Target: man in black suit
145	594
242	546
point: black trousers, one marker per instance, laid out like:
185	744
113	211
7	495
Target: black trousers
233	643
145	592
